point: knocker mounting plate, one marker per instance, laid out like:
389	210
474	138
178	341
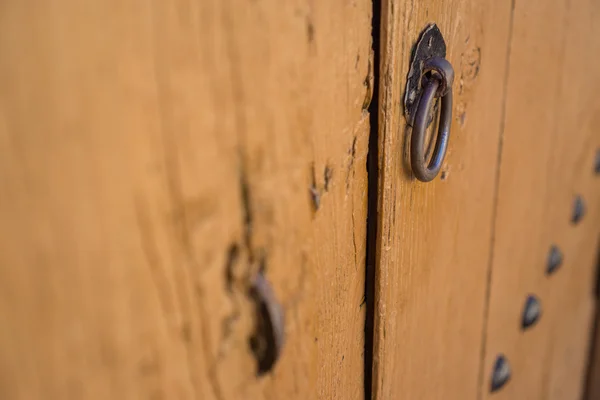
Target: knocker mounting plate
431	44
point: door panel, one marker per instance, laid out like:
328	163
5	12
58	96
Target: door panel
435	238
549	144
155	157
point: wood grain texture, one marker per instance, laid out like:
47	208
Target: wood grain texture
550	140
435	237
154	157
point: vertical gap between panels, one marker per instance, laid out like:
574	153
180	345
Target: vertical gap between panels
488	283
594	346
373	181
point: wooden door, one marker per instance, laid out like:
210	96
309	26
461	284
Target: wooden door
159	158
154	157
457	257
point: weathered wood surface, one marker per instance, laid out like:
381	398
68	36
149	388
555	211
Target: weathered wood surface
153	158
549	143
435	238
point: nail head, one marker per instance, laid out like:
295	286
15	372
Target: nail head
578	209
269	337
555	259
501	373
531	311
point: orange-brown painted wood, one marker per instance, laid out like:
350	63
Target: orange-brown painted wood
550	139
155	156
435	238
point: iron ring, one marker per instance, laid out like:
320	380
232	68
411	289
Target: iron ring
422	171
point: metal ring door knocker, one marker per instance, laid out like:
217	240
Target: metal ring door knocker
430	77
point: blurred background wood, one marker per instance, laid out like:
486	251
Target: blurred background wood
550	139
154	156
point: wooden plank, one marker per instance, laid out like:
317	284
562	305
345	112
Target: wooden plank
154	157
550	140
435	237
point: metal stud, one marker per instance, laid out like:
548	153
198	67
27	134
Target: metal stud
531	311
578	209
269	336
555	259
501	373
